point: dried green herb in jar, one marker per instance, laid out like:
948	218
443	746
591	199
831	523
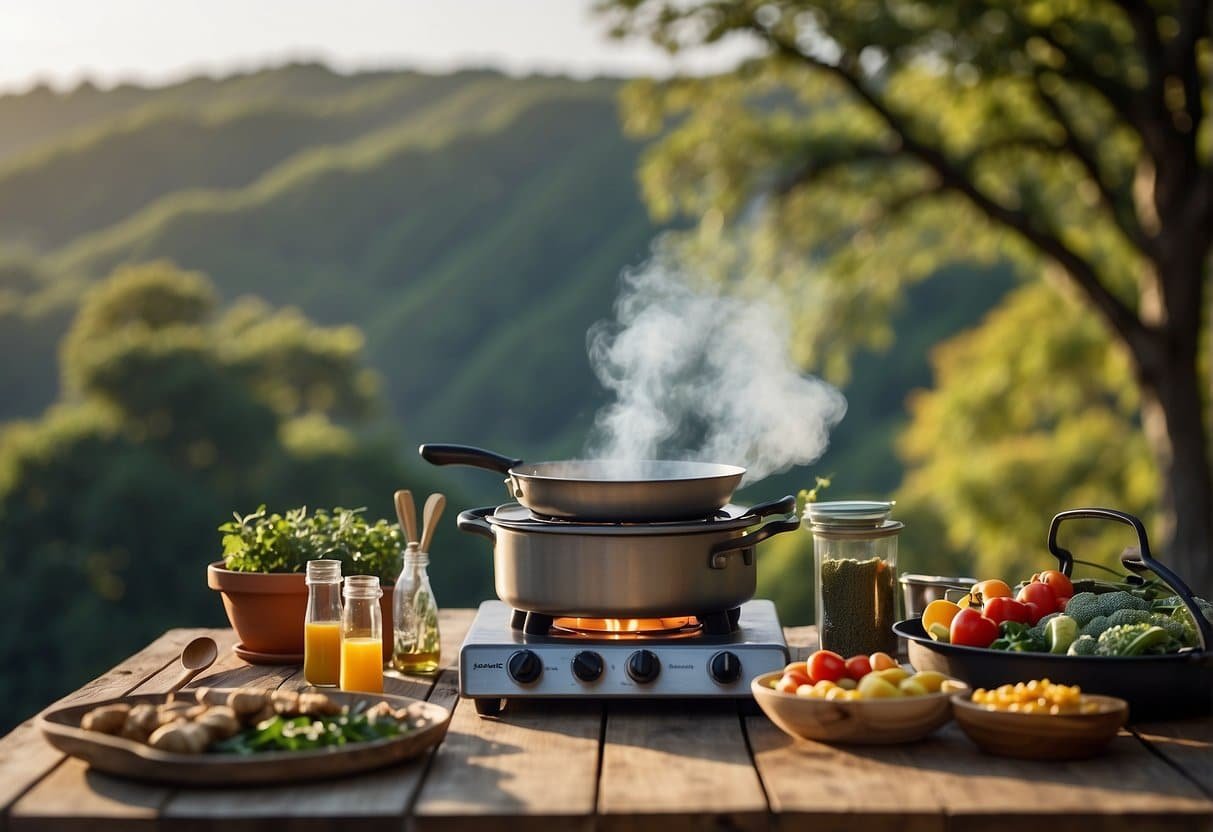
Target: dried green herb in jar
857	603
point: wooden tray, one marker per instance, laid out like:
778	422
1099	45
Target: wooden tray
127	758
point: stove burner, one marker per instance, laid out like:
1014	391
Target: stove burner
716	623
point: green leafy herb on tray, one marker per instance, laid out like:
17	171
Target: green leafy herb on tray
307	733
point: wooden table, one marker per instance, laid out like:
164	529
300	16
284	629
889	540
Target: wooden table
586	765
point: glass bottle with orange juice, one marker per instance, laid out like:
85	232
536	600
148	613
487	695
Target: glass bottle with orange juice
322	625
362	636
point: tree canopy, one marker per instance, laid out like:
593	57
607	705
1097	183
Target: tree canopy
870	142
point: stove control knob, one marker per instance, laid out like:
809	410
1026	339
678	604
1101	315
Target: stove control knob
725	668
587	666
643	666
524	667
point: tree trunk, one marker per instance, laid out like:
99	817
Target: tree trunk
1173	417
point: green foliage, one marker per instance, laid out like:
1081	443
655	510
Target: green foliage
264	542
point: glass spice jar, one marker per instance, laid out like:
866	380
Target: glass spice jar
855	566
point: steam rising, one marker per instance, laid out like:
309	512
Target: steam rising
698	373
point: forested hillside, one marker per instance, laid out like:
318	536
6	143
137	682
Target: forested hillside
471	226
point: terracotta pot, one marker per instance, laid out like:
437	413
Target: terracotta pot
266	609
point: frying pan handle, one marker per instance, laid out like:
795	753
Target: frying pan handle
718	557
784	505
1136	561
472	521
438	454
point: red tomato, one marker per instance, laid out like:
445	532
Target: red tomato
999	610
972	629
1062	600
1057	581
858	667
1040	595
826	665
1035	612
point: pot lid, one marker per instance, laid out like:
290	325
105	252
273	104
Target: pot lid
519	518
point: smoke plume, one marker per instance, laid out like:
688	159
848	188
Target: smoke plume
699	372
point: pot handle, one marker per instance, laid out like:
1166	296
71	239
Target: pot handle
1135	560
718	557
472	521
439	454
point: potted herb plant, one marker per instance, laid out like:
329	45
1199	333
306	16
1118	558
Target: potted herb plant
261	576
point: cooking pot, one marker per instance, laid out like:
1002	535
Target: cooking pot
1155	686
604	489
626	570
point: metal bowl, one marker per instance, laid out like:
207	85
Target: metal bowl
920	590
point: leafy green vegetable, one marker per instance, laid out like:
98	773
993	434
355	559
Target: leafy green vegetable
1018	638
1060	633
264	542
305	733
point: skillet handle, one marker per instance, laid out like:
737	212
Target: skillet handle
439	454
472	521
718	557
1135	560
784	505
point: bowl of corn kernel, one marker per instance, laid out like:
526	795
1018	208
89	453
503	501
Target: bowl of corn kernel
1039	720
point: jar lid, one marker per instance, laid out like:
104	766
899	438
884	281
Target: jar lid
362	586
323	572
849	513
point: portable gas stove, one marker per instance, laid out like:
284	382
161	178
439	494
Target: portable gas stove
511	654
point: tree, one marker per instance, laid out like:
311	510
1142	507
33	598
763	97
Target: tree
876	140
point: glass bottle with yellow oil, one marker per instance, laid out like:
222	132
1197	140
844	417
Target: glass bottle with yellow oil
416	645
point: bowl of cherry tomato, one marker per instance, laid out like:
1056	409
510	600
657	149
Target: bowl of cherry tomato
870	700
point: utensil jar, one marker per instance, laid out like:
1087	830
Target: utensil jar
855	566
416	642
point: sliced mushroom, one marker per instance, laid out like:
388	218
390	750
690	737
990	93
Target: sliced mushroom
220	722
140	722
246	702
108	719
285	701
317	704
210	696
181	737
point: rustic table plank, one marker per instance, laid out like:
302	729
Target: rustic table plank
377	800
1187	745
25	757
670	766
539	761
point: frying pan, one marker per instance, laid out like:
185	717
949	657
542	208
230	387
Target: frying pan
614	491
1155	686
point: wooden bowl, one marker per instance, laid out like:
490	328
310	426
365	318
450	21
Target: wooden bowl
1041	736
859	722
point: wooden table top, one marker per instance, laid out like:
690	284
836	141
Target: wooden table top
623	765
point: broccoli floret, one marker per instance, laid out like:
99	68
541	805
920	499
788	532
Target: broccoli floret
1175	628
1083	607
1095	626
1133	640
1083	646
1128	617
1038	630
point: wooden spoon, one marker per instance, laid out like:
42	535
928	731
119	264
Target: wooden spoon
197	656
406	513
434	505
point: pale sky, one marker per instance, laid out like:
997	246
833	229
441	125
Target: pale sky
63	41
